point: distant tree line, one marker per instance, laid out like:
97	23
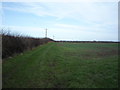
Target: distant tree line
89	41
13	44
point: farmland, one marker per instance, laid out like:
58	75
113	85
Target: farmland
64	65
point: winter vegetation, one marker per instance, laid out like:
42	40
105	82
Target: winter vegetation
15	43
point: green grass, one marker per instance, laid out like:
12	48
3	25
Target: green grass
64	65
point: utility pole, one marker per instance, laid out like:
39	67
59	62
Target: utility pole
53	37
46	33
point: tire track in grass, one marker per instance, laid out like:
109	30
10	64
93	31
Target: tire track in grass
47	69
17	69
47	66
40	68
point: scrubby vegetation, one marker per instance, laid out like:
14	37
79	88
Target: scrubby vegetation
15	43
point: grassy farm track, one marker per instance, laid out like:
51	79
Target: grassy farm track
64	65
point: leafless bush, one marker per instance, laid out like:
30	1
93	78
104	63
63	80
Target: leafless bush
16	43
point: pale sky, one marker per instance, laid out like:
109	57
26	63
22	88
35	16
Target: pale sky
83	21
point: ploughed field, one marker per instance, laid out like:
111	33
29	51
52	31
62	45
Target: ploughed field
64	65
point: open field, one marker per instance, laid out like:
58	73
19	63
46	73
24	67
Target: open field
64	65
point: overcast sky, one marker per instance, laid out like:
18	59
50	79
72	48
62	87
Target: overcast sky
65	21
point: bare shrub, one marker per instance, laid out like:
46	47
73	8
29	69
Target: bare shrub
16	43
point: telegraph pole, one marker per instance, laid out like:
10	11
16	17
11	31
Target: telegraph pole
46	33
53	37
